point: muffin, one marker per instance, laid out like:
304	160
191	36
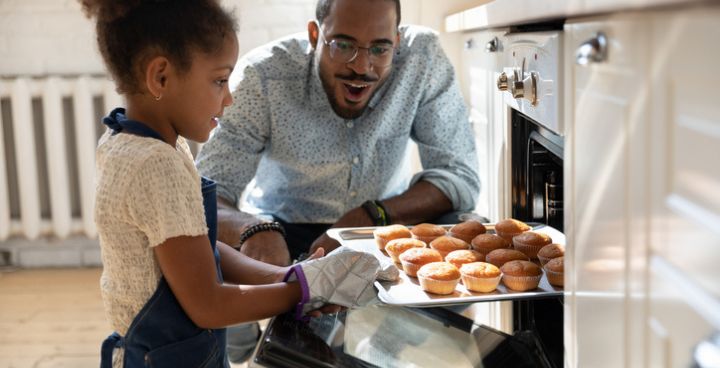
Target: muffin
396	247
480	276
414	258
521	275
555	271
460	257
486	243
530	243
467	230
499	257
549	252
438	277
447	244
384	234
510	227
427	232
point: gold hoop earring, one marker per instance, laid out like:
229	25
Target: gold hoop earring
157	98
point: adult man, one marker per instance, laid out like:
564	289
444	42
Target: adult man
322	123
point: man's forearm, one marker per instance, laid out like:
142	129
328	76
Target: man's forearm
232	222
420	203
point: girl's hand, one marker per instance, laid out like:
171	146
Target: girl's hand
326	309
319	253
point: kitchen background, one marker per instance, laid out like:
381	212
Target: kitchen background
48	52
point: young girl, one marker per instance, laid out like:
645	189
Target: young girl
168	288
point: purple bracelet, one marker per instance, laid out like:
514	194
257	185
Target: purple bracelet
305	291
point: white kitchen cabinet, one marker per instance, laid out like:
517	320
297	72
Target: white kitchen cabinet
480	70
643	215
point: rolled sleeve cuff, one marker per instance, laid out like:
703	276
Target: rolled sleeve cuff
461	194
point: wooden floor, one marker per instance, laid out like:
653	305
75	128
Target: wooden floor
51	318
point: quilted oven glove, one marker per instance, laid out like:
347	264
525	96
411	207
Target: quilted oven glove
344	277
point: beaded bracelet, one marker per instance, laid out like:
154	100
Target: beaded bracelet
254	229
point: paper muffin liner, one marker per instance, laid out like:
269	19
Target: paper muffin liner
544	260
442	287
481	284
410	269
529	250
521	283
555	278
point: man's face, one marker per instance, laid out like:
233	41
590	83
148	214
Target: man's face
350	85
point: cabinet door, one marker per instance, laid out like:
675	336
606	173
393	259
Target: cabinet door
684	284
481	68
605	181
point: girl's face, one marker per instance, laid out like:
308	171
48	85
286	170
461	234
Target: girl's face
202	93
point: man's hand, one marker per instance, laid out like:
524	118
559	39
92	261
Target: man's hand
268	247
325	242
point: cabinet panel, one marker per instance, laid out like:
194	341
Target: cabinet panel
684	289
607	141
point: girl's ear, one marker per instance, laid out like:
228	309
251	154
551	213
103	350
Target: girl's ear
156	76
313	33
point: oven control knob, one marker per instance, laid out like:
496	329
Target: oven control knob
502	83
526	88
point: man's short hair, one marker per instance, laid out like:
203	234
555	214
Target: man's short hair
323	9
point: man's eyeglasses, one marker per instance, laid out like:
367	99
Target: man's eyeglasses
345	51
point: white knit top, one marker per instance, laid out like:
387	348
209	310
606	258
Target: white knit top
146	192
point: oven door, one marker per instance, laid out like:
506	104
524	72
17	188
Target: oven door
379	336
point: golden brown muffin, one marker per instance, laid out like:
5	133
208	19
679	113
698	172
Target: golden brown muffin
549	252
555	271
447	244
396	247
486	243
438	277
427	232
508	228
467	230
414	258
480	276
384	234
521	275
460	257
530	242
499	257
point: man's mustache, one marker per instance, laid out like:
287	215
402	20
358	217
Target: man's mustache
354	77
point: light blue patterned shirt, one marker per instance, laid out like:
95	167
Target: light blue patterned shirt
312	166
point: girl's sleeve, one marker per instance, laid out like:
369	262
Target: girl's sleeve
165	200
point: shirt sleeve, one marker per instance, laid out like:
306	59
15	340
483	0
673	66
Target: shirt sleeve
165	200
443	133
232	154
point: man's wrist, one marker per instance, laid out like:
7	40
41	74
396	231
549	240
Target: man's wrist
377	212
257	228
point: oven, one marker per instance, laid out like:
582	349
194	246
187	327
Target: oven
531	88
456	335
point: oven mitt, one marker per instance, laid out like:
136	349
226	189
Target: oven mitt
344	277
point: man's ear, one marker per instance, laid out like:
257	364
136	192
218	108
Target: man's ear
156	76
313	33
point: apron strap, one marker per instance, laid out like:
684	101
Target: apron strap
108	346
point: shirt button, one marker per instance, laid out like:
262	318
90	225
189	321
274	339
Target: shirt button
356	160
350	124
353	193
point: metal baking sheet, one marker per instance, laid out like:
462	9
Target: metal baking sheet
406	291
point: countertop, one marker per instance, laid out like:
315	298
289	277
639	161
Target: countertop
503	13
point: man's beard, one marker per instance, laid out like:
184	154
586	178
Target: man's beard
347	113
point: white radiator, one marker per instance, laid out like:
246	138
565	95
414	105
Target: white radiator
49	133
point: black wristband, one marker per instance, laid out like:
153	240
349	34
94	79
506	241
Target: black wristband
254	229
377	212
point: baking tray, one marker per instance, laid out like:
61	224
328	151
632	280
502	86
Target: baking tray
406	291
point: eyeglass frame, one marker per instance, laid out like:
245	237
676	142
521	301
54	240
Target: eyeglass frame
356	48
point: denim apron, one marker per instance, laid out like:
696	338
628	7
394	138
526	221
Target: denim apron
162	335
